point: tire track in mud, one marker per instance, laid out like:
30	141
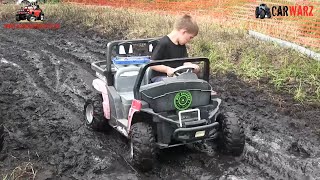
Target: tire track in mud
44	65
285	155
41	81
95	146
279	146
32	128
60	65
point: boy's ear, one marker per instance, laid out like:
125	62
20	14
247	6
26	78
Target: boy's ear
183	31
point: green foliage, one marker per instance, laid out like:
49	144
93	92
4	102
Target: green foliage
51	1
285	69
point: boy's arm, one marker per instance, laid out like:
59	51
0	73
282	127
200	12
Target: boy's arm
164	69
195	66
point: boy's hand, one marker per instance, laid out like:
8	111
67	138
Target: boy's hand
195	66
170	71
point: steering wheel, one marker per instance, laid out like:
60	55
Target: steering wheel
187	68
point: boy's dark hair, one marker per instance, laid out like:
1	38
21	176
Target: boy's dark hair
188	23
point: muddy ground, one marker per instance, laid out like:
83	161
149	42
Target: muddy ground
45	76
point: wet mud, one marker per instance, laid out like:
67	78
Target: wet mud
45	77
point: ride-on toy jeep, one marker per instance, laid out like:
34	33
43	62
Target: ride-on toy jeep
30	12
263	11
176	111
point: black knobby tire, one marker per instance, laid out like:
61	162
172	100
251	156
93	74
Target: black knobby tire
262	14
1	136
97	121
31	18
231	138
142	146
257	12
268	13
28	17
41	17
18	18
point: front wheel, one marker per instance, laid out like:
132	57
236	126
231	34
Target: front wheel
142	146
231	138
268	13
41	17
31	18
94	115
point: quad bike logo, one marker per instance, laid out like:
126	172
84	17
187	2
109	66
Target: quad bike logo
30	13
182	100
263	11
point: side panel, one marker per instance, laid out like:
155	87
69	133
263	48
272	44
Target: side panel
100	86
37	13
115	103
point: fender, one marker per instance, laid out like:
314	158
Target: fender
101	86
135	106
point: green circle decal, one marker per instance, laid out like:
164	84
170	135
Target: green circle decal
182	100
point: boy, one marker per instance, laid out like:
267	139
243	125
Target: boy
173	46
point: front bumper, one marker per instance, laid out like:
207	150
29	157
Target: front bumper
196	133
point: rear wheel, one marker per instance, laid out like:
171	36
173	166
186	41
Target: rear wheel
231	138
94	115
18	18
262	14
142	146
257	12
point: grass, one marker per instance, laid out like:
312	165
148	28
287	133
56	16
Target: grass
24	171
295	29
229	49
286	69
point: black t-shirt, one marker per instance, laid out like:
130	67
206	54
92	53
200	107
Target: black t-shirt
166	49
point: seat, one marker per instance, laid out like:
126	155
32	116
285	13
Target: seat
147	76
125	78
